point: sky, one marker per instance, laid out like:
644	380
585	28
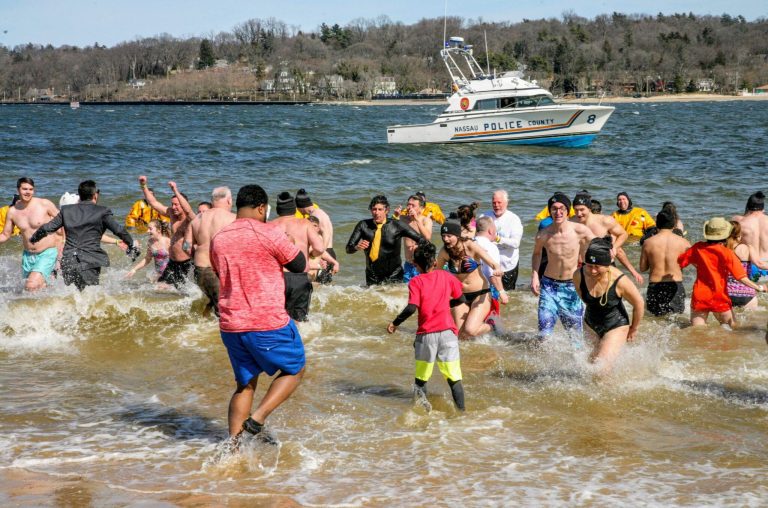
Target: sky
108	22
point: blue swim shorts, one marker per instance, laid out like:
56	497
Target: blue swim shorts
559	299
409	271
41	262
252	353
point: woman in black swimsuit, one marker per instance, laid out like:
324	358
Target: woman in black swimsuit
603	288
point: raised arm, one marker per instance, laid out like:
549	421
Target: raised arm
182	200
149	197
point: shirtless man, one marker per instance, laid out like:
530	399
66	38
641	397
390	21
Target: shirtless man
754	231
602	225
29	213
197	241
666	293
298	287
416	219
306	208
565	242
181	214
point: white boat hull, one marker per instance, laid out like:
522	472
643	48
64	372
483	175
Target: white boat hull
560	125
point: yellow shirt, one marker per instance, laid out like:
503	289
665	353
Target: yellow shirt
635	222
544	213
142	214
3	214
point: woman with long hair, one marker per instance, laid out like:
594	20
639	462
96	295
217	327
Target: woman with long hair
740	294
158	245
466	216
462	257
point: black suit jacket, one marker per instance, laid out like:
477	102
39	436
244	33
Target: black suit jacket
84	224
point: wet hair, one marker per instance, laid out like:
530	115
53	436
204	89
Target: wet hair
596	206
466	213
483	224
379	199
756	202
161	226
24	179
182	195
16	197
420	199
205	203
665	220
669	206
86	190
251	196
313	220
421	195
425	255
733	239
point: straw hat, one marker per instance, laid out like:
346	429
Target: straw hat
717	228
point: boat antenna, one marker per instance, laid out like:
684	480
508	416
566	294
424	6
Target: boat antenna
445	24
487	58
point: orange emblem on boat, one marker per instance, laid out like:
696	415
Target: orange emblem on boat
464	103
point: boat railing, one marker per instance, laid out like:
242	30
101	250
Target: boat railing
571	96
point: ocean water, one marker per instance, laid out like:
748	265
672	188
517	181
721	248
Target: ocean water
118	395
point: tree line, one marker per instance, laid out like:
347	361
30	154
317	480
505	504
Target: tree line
616	53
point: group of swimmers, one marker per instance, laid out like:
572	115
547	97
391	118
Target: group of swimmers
573	262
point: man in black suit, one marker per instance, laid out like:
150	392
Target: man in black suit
84	224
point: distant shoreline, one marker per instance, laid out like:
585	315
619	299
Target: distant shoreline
401	102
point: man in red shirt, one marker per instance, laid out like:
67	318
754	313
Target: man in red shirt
434	293
249	255
714	262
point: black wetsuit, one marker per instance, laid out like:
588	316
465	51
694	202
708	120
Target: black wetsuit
603	318
388	268
84	224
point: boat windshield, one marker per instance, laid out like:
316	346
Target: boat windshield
514	102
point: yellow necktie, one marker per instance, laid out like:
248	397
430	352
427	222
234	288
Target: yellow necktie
374	254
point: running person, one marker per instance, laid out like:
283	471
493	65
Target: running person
603	288
416	219
740	294
714	262
433	293
26	215
158	245
564	242
381	240
463	257
255	327
665	293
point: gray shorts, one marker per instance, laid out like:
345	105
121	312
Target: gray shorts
442	347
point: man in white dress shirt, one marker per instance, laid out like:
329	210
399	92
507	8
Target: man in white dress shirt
509	233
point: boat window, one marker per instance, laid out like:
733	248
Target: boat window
486	104
508	102
533	101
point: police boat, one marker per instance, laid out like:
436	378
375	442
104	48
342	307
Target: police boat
503	108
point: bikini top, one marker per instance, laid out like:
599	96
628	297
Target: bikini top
466	264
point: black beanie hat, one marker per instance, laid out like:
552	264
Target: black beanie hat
599	251
451	227
559	197
582	198
285	204
302	199
756	202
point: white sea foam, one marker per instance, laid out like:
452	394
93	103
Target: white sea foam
356	162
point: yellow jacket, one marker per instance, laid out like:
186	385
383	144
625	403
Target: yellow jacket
635	222
142	214
544	213
3	214
430	210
